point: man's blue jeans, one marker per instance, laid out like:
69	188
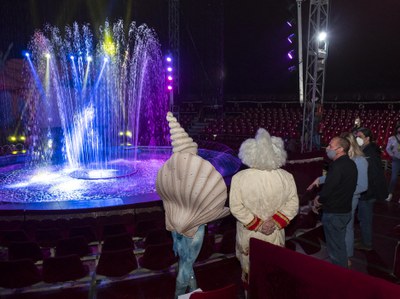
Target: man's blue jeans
350	227
335	233
365	215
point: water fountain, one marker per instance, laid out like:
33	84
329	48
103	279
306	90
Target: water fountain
96	109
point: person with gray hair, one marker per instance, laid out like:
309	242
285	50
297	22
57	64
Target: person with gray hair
263	198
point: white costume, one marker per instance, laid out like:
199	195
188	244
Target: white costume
262	193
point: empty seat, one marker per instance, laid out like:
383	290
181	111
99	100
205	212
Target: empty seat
113	229
116	263
18	273
228	242
158	236
63	268
158	257
145	226
228	292
207	248
48	237
115	242
86	231
26	249
15	235
73	245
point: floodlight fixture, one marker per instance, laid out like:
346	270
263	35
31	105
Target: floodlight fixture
322	36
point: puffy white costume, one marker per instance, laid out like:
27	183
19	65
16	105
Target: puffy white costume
263	193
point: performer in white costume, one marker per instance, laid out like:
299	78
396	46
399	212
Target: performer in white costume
264	197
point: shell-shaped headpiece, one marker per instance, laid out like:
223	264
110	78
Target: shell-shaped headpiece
192	190
193	193
181	142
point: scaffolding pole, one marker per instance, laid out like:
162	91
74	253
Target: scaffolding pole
317	54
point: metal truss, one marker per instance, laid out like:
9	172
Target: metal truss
317	54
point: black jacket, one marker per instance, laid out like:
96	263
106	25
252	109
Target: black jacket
377	185
341	181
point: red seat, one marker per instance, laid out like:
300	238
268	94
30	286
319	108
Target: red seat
15	235
63	268
207	248
116	263
18	273
74	245
158	257
115	242
228	292
22	250
228	242
396	262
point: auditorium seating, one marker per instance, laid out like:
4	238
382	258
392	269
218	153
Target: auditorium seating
286	120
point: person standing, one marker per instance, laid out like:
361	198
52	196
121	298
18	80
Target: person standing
263	198
355	153
377	187
393	149
335	199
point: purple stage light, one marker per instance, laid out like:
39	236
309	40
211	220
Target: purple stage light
169	78
169	59
169	69
289	24
169	87
290	38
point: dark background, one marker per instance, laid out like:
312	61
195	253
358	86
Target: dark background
240	43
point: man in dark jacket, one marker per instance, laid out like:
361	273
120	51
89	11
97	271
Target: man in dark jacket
377	187
336	198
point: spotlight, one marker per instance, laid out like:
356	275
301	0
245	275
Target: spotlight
291	54
169	78
89	58
290	38
26	54
105	59
169	59
12	138
169	87
47	55
289	23
169	69
322	36
72	57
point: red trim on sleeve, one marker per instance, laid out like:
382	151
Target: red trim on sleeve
280	219
254	224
